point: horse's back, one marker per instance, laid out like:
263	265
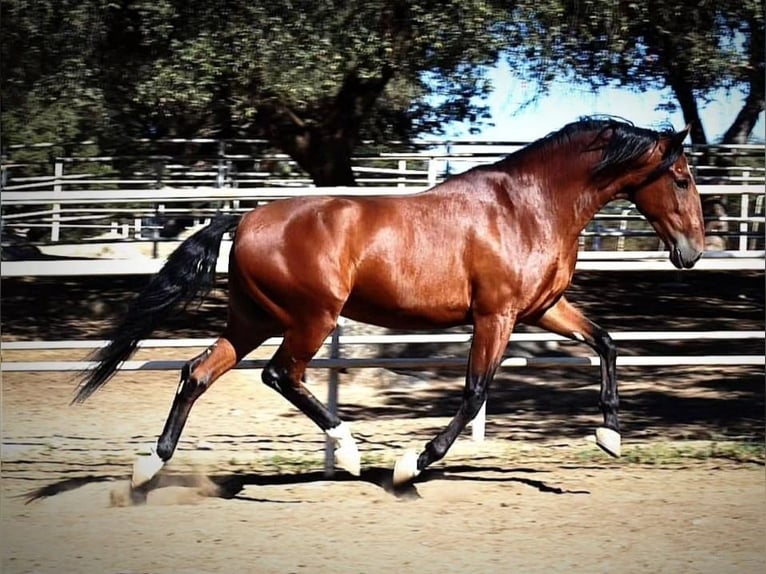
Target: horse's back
417	261
377	259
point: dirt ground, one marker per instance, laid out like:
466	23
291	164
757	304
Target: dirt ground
246	490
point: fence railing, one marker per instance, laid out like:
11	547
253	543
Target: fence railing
337	360
86	201
251	163
633	242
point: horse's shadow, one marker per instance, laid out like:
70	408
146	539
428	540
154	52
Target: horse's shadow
231	486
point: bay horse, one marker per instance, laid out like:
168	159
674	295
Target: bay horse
490	247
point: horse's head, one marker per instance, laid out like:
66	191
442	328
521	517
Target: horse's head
646	167
650	169
669	200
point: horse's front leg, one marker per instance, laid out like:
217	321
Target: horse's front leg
563	319
490	337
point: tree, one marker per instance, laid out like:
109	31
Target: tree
694	48
312	77
315	78
42	64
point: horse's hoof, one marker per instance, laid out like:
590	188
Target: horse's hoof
145	468
406	468
347	457
346	453
609	440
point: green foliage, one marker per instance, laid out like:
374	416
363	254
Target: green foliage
294	57
633	42
692	48
315	78
180	63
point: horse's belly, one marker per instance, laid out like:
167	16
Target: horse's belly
387	312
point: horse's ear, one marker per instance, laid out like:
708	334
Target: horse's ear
674	142
679	137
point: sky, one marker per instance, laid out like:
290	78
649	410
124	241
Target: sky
566	103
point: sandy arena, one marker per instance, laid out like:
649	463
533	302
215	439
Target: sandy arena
246	491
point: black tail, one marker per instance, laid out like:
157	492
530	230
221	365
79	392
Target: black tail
188	273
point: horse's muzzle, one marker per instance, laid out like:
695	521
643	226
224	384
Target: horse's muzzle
683	254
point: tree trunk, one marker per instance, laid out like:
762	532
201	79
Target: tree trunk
327	159
324	148
742	127
685	96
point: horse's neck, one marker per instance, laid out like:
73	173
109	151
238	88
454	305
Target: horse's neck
571	192
587	200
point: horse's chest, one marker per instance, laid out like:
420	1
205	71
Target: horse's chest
545	287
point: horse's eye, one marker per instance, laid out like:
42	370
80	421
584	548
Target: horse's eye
682	183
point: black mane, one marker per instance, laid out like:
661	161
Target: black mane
621	141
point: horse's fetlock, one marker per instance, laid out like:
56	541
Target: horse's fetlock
611	404
435	450
271	377
165	449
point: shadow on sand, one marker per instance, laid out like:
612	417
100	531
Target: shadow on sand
231	486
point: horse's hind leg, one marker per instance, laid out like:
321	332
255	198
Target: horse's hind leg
196	377
284	373
563	319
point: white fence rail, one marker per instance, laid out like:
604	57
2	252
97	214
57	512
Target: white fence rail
413	363
338	342
90	205
202	176
599	261
340	362
248	163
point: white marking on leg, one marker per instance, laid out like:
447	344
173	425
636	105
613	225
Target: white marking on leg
346	452
609	440
145	468
406	468
577	335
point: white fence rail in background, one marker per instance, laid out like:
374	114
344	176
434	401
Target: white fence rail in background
248	163
415	363
336	361
199	177
587	261
90	205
